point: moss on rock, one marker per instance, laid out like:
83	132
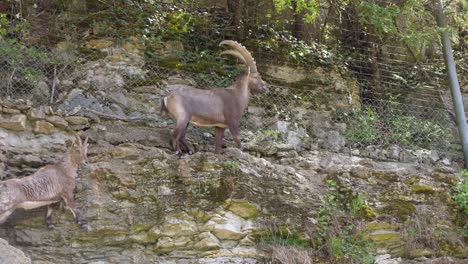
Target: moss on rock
242	208
400	209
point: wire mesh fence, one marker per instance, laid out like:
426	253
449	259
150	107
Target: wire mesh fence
378	90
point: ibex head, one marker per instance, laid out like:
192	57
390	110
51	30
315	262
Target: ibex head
255	83
79	150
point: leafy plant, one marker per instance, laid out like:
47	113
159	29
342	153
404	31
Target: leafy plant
231	167
310	7
411	22
199	189
336	231
460	195
363	127
272	134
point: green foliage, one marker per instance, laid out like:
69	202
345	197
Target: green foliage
4	24
336	230
24	65
461	192
272	134
394	126
231	166
284	45
199	189
363	128
408	130
310	7
460	195
285	237
410	22
357	204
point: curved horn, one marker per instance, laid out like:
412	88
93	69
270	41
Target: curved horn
242	50
77	138
234	53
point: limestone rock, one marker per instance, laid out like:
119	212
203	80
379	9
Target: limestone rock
206	241
36	113
227	227
168	244
99	44
175	226
386	259
14	122
10	111
77	120
9	254
44	127
242	208
57	121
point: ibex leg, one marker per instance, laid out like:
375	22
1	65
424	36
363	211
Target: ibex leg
179	130
4	215
219	139
234	129
49	217
184	145
76	213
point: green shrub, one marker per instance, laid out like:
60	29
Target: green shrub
363	128
231	167
336	230
413	131
394	126
460	195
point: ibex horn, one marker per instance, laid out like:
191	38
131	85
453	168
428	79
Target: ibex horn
77	138
242	50
234	53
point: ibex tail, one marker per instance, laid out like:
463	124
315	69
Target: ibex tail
164	109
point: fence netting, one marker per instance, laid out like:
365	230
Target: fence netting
381	92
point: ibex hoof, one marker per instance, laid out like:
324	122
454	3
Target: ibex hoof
51	226
190	152
85	226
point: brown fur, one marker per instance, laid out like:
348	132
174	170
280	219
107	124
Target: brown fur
219	108
48	185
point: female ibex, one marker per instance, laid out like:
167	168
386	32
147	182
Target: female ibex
219	108
48	185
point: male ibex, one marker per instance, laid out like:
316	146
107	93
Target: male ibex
48	185
219	108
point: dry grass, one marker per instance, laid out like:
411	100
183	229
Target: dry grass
290	255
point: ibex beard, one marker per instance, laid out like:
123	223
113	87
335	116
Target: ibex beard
49	185
219	108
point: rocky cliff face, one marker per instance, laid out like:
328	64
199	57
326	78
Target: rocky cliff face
146	206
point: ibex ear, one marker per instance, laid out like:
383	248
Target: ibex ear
85	141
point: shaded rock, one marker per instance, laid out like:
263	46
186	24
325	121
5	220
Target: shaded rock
9	254
14	122
119	98
41	90
335	141
78	101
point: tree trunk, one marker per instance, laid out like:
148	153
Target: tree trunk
235	8
298	27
